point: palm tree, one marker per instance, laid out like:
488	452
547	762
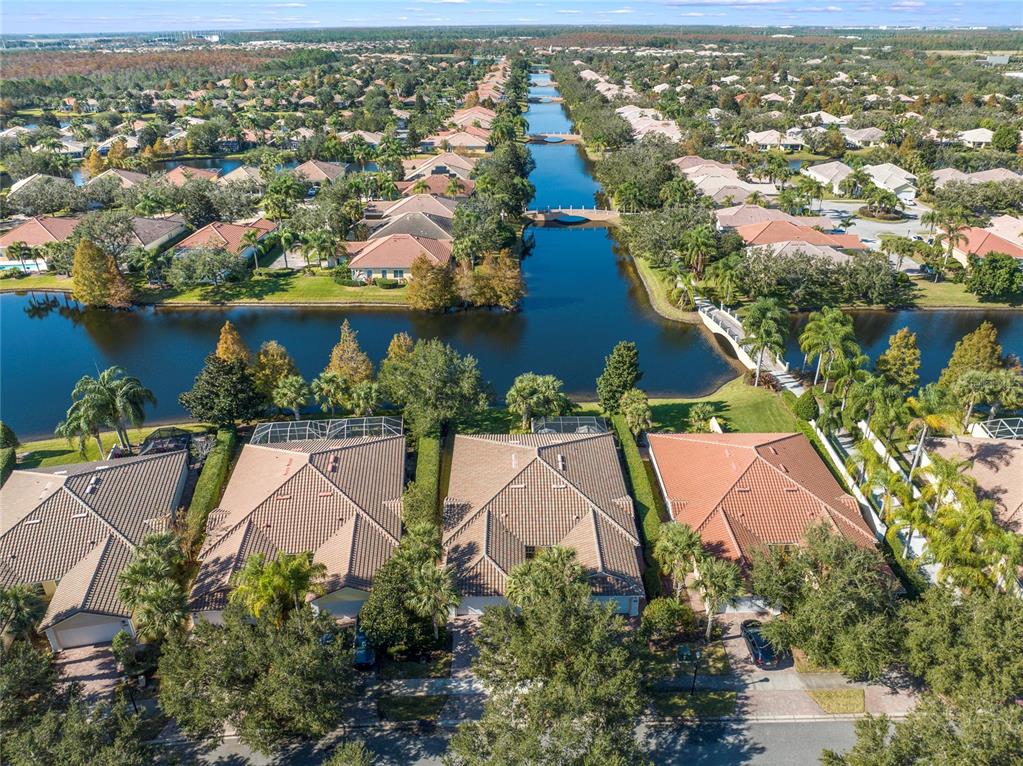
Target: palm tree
677	549
953	224
161	610
697	244
724	274
330	391
848	370
116	398
291	393
455	187
828	333
890	484
433	594
82	422
422	186
719	583
763	322
281	584
287	238
21	609
138	576
949	477
18	251
364	398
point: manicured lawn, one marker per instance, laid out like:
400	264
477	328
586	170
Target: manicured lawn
287	287
698	705
35	282
658	284
50	452
713	661
836	701
931	294
743	409
435	665
423	707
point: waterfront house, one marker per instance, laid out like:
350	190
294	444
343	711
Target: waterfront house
766	140
392	256
339	498
445	164
469	138
746	215
318	172
415	223
769	232
182	174
242	174
436	185
510	496
415	203
28	183
226	236
125	178
981	242
71	529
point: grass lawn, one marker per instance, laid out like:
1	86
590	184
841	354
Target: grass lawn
658	284
836	701
743	408
287	287
422	707
50	452
931	294
435	665
699	705
713	661
35	282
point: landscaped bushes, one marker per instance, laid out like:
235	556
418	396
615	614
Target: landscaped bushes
386	284
646	503
209	486
7	461
428	466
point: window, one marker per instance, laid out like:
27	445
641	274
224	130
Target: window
383	273
399	273
531	552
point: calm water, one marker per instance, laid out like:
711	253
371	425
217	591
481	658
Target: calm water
224	164
583	298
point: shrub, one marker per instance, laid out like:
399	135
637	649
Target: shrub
209	486
667	621
7	461
806	406
12	274
646	503
386	284
349	282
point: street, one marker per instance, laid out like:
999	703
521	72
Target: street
712	743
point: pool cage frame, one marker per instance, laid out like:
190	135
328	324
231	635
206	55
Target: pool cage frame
570	424
282	431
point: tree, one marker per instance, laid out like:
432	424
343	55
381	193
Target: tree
764	321
150	586
274	682
562	671
698	419
204	266
387	617
719	583
435	385
330	391
994	276
279	586
433	594
621	372
21	609
273	364
1005	138
677	549
697	246
978	350
536	395
828	335
96	280
666	621
969	730
364	398
430	288
231	347
351	753
971	388
113	399
899	364
291	393
347	359
8	437
635	408
223	393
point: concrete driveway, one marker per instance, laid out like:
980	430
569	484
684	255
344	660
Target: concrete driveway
93	667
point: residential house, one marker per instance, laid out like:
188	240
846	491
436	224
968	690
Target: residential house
899	182
35	233
225	236
862	138
318	172
766	140
469	139
978	138
443	207
436	185
829	174
30	182
770	232
71	530
478	116
981	242
948	175
746	215
417	224
337	498
125	178
242	174
392	256
445	163
370	137
182	174
511	496
1008	227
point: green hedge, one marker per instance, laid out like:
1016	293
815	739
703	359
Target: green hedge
210	486
428	452
386	284
7	460
646	503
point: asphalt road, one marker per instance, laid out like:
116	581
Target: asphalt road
707	744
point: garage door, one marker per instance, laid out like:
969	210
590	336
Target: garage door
85	635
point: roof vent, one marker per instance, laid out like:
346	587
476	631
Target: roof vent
516	486
743	489
60	473
284	497
81	515
515	462
559	485
791	489
34	521
561	462
773	450
328	493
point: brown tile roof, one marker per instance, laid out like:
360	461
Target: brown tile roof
414	223
39	231
227	236
340	499
746	491
455	164
126	178
437	185
419	203
539	490
181	174
79	524
317	171
768	232
399	251
149	230
997	465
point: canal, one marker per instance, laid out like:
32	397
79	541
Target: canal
583	297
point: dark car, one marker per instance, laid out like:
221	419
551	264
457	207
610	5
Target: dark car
365	656
760	649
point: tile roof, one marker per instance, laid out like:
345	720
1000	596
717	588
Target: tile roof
997	465
510	492
742	492
419	203
181	174
454	164
398	251
79	524
769	232
982	242
339	499
40	230
317	171
436	185
414	223
744	215
228	236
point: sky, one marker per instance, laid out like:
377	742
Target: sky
92	16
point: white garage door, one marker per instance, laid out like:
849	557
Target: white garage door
87	634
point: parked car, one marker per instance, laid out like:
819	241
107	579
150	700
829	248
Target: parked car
365	656
760	650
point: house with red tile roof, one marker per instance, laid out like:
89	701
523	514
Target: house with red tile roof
392	256
437	185
39	231
225	236
769	232
744	492
981	242
318	172
182	174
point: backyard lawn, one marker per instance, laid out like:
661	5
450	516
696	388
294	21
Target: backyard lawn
944	294
36	282
278	287
51	452
743	408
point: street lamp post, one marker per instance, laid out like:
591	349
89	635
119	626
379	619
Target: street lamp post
696	667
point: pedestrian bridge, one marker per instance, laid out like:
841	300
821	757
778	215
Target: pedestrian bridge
569	216
556	138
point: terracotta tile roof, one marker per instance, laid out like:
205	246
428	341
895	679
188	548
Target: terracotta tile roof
982	242
419	203
437	185
227	236
79	524
414	223
126	178
454	164
399	251
745	215
339	499
508	493
769	232
39	231
997	465
746	491
181	174
317	171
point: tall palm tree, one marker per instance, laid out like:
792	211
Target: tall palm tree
287	239
281	584
160	611
724	273
330	391
455	187
119	400
697	245
138	576
719	583
677	548
82	422
21	609
291	393
433	594
765	323
950	477
953	222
